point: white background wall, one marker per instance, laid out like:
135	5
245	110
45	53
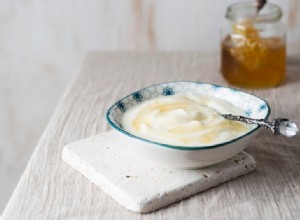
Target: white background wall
42	43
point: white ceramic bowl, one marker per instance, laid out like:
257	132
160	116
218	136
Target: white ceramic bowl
189	157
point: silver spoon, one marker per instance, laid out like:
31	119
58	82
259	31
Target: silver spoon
281	126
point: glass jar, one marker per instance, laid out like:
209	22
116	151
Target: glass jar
253	46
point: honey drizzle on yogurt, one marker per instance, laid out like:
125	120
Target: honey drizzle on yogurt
186	120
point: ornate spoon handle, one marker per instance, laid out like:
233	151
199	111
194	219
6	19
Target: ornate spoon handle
281	126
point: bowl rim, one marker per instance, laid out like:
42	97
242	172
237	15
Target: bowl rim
179	147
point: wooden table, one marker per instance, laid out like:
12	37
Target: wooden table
50	189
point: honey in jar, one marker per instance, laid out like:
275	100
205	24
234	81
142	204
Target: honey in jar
253	53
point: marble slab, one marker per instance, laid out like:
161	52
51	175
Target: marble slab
142	185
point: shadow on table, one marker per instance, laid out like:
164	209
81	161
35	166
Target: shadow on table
277	161
293	69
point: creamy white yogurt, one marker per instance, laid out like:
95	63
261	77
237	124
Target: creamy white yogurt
184	120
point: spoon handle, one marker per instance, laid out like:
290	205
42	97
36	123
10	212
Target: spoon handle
281	126
259	5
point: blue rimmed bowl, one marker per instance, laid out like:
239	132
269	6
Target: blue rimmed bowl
181	156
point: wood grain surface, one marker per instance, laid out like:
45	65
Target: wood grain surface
50	189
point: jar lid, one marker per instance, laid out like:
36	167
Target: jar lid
247	11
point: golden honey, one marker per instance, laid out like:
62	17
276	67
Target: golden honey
253	62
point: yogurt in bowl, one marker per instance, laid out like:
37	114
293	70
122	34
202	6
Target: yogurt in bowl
179	123
185	120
